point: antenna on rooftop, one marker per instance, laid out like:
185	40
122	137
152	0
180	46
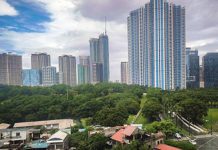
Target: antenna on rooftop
105	25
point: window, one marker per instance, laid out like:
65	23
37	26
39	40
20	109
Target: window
17	134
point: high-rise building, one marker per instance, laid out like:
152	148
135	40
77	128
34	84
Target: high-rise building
49	77
104	51
156	45
40	60
10	69
31	77
210	68
97	69
99	54
201	76
84	70
192	69
67	67
124	72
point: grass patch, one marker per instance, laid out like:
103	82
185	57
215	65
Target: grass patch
141	120
86	122
212	119
143	100
130	119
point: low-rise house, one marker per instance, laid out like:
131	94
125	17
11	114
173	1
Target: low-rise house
60	124
58	141
125	135
154	139
17	137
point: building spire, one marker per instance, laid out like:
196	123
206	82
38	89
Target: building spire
105	25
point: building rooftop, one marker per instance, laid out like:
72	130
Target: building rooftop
4	126
129	130
62	123
166	147
118	136
58	136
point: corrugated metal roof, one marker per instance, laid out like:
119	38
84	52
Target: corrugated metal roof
63	123
166	147
60	135
118	136
128	131
4	125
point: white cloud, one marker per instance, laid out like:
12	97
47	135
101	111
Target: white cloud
69	33
6	9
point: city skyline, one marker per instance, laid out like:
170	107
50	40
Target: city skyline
47	33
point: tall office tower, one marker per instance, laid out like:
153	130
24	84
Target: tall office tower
67	66
156	45
10	69
192	69
97	69
210	67
84	70
40	60
201	76
124	72
49	76
99	54
31	77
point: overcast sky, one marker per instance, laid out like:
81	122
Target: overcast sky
65	26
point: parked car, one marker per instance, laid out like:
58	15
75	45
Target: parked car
178	136
192	142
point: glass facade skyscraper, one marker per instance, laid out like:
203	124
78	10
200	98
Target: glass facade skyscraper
99	56
49	76
192	69
84	70
156	45
210	69
31	77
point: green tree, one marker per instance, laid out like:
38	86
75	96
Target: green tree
151	110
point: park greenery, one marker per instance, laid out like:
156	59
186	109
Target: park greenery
106	104
109	104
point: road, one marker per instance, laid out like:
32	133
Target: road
207	142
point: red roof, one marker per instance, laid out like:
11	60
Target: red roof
128	131
166	147
118	136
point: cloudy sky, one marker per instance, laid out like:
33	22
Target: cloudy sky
65	26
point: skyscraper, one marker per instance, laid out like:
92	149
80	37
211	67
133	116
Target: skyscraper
156	45
99	54
67	67
192	69
84	70
97	75
124	72
49	77
40	60
31	77
201	72
210	68
10	69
